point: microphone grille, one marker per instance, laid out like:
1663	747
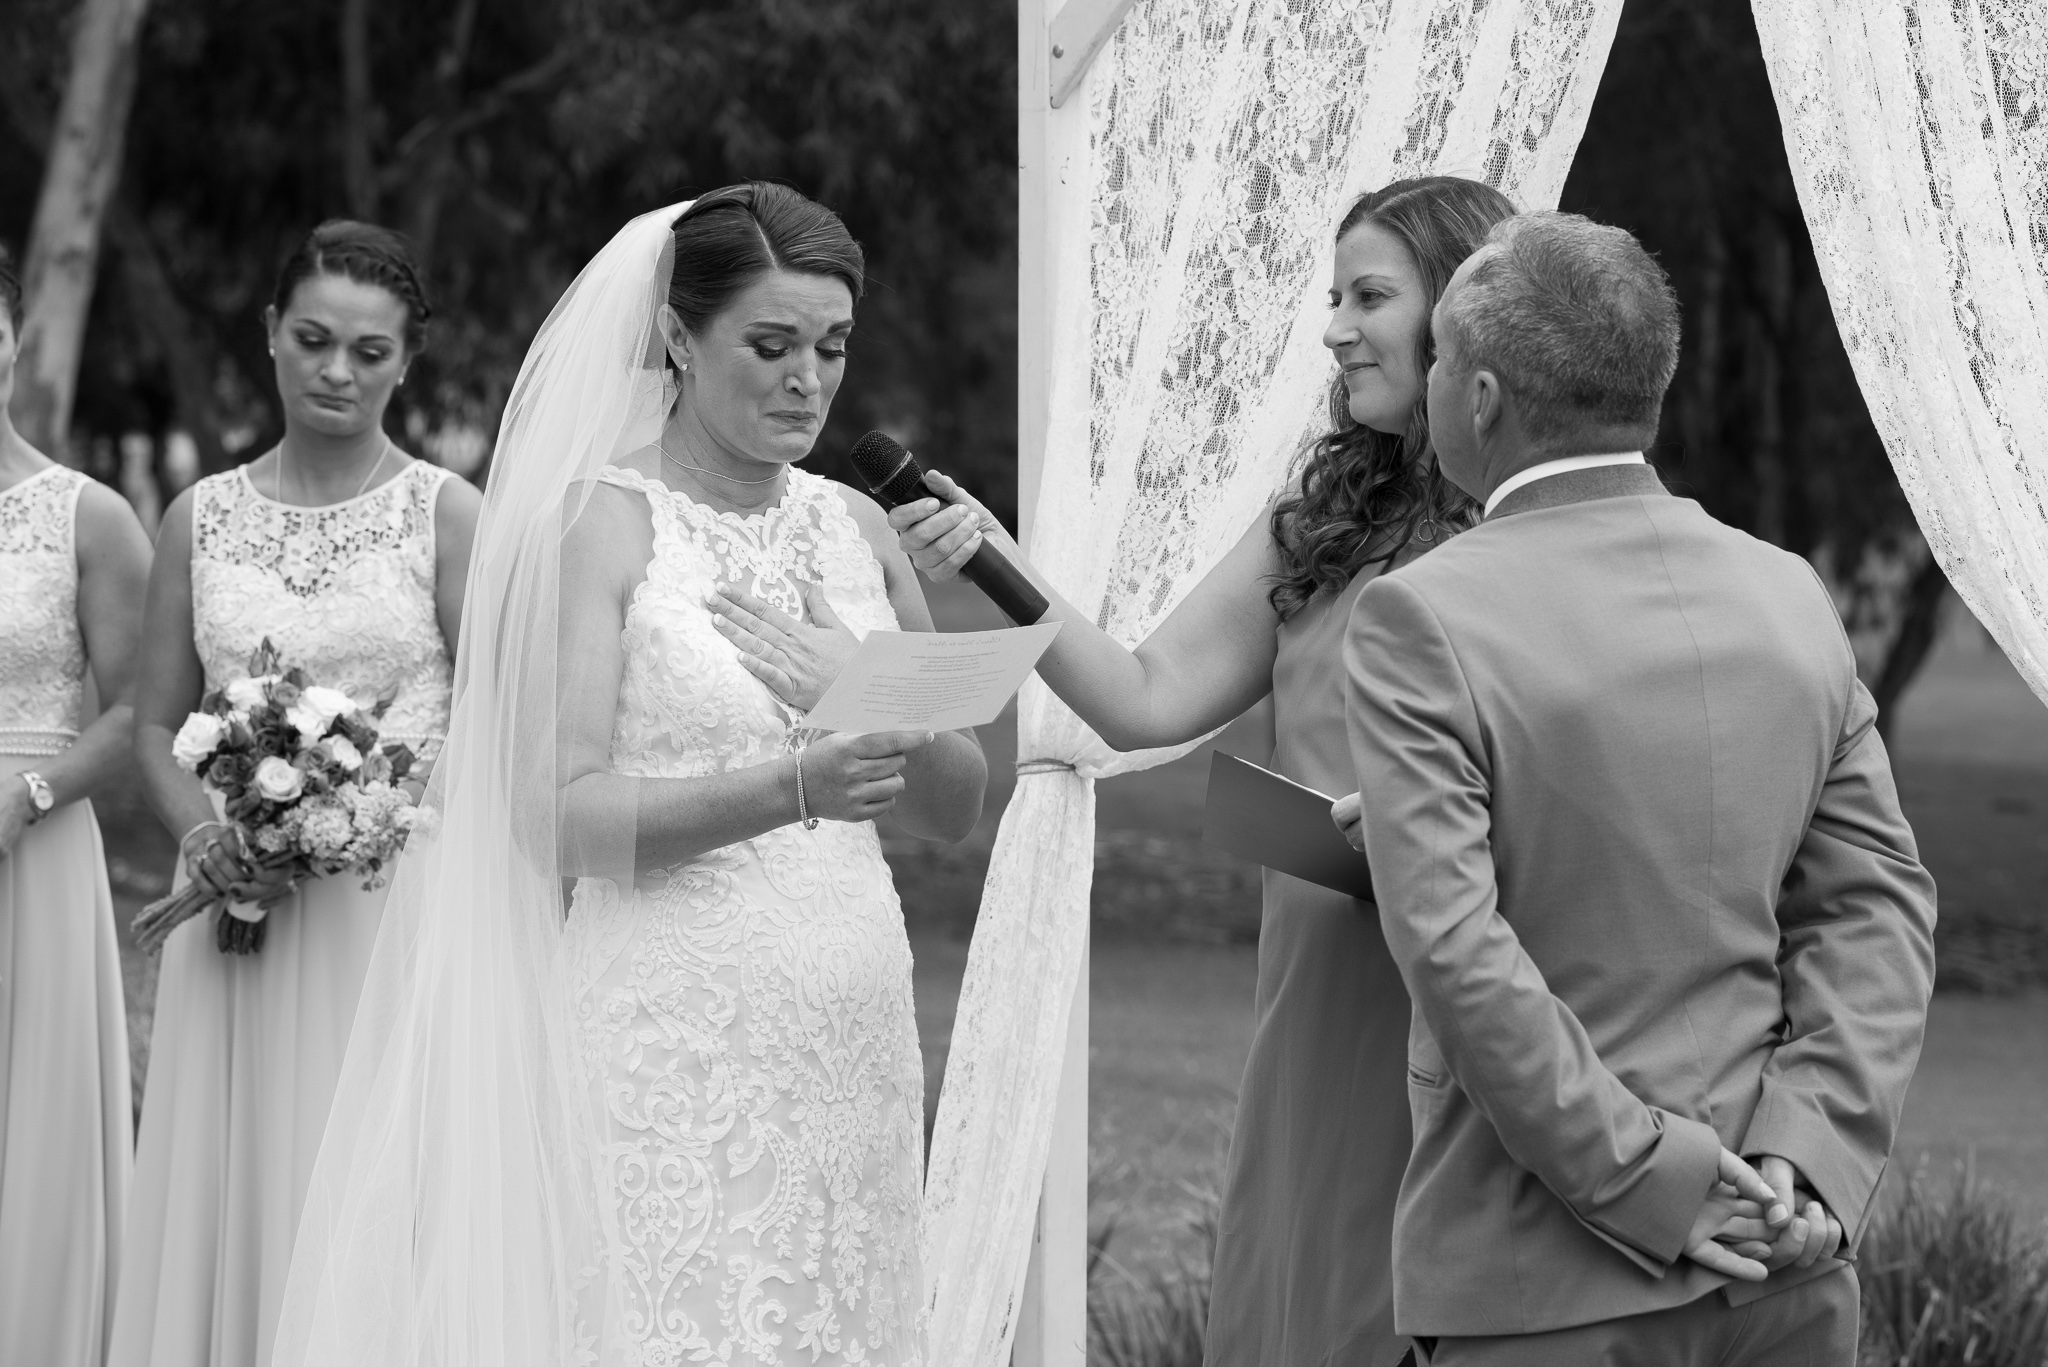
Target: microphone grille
887	469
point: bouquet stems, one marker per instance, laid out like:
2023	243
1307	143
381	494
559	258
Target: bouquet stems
155	922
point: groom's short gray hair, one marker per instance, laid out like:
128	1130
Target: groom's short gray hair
1575	318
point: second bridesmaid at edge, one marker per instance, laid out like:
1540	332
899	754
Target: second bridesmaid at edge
73	561
1304	1249
350	556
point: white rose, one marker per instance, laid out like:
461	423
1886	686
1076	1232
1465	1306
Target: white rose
277	780
248	693
198	738
328	702
345	753
316	710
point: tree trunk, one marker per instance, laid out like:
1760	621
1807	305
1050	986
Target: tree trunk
1918	626
79	176
358	113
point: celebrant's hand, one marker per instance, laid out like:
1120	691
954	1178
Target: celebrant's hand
1740	1208
942	534
797	660
1349	814
857	778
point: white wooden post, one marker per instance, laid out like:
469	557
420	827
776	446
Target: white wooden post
1055	44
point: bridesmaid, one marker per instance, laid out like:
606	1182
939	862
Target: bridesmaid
1303	1269
73	562
350	556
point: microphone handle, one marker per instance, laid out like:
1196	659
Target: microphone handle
989	570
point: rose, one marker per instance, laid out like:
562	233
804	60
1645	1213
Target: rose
229	770
247	694
344	753
315	711
277	780
199	737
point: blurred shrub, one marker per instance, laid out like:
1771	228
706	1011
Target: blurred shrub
1954	1281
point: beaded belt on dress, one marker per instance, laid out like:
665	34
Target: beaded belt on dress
36	740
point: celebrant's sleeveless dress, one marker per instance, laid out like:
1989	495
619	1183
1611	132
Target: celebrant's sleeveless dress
247	1049
1304	1251
65	1111
746	1026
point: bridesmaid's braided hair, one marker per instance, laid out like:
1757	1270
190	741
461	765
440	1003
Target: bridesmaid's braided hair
731	237
367	254
10	288
1364	495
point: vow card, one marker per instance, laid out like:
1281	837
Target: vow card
930	681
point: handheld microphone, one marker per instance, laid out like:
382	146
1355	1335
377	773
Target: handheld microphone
893	475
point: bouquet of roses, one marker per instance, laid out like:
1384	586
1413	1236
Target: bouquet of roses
304	786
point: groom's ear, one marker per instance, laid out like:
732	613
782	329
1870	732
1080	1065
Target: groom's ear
1489	403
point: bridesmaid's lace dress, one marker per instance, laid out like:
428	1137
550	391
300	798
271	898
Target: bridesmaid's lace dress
248	1048
746	1019
65	1106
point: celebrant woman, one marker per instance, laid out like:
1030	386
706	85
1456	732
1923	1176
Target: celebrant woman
348	556
1303	1255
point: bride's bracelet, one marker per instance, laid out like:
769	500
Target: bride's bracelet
803	812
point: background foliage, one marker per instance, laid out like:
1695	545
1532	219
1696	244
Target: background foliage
512	138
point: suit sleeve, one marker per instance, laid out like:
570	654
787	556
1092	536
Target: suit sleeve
1633	1174
1856	965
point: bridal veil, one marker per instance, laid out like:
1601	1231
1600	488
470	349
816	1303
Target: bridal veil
450	1218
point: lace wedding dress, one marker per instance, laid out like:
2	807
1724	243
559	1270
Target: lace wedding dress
64	1092
745	1024
247	1048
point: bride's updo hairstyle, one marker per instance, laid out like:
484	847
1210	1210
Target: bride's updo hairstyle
368	255
1364	495
732	237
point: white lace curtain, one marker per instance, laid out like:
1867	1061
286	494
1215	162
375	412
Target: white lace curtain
1226	136
1918	136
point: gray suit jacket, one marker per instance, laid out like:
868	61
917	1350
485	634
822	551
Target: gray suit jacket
1640	860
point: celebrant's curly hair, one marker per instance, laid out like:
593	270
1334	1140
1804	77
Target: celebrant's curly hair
1364	496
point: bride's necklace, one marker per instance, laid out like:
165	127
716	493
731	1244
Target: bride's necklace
719	474
375	466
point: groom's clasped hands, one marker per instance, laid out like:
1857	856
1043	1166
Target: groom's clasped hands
1746	1230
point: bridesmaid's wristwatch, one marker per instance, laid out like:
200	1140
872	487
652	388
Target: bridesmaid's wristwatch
40	798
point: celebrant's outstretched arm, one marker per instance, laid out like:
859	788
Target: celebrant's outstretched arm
1209	661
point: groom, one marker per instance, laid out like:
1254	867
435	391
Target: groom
1639	857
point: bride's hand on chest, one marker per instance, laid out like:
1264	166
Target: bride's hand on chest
797	660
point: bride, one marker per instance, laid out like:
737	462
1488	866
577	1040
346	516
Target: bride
683	1121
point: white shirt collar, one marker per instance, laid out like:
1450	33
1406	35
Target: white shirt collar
1557	467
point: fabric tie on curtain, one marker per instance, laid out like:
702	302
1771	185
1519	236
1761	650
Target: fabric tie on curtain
1918	136
1226	136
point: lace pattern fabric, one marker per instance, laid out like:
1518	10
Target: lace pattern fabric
746	1028
346	592
1225	137
1917	131
42	650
